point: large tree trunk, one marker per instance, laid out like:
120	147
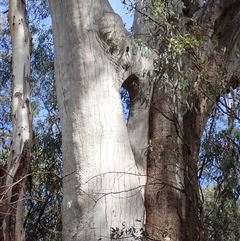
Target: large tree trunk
105	165
13	175
172	200
102	185
173	204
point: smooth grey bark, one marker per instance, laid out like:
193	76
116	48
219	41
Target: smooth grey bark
13	174
102	185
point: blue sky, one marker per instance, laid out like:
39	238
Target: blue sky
119	8
123	12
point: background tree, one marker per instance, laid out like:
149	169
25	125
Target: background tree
219	172
12	176
42	215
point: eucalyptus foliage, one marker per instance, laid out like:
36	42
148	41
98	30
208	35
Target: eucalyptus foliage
219	163
219	173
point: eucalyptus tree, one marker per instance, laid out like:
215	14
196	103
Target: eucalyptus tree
118	178
17	165
219	171
41	215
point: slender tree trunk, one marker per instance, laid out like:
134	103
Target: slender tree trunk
13	181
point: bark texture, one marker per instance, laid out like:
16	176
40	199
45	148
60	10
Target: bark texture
12	176
103	188
105	162
172	201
